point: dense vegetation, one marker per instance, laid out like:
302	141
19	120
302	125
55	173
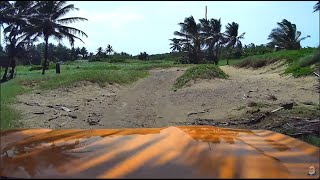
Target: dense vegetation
204	42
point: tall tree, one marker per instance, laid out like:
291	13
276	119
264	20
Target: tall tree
286	36
190	39
15	15
49	22
232	39
99	52
83	52
109	49
210	31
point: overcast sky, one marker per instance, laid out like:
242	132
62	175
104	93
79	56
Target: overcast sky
134	27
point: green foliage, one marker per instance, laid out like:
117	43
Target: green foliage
288	56
252	50
255	64
298	71
203	71
310	59
193	37
94	76
9	91
143	56
286	36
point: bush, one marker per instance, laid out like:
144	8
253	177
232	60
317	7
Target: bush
298	71
203	71
310	59
255	64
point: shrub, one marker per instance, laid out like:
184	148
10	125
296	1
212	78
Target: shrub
298	71
203	71
310	59
255	63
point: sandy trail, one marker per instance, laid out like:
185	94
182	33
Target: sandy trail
152	102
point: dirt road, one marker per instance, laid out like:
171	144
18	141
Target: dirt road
152	101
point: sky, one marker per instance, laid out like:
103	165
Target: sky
138	26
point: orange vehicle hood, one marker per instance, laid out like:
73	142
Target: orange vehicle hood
171	152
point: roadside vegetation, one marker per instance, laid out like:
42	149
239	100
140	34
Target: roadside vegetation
299	62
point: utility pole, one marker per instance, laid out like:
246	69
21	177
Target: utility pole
206	13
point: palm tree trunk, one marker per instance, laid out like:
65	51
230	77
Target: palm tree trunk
13	66
229	55
45	56
4	78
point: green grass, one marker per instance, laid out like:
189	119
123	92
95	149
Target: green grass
9	91
298	71
258	61
288	55
203	71
53	81
309	60
299	61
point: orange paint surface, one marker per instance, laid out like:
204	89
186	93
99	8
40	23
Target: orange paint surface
172	152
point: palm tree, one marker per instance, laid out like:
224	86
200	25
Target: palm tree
286	36
190	39
212	37
175	45
109	49
83	52
232	39
49	22
99	52
15	15
9	12
316	7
